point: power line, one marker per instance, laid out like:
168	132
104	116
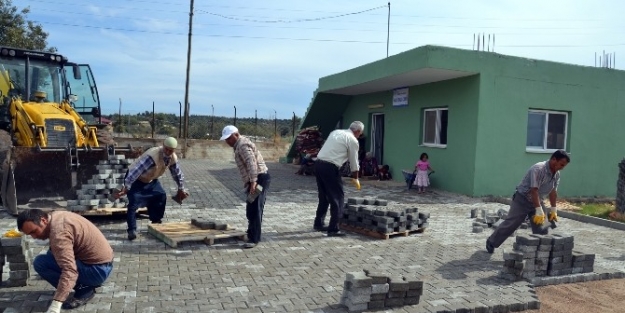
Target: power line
291	21
326	40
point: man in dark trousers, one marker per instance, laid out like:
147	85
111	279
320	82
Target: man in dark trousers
79	258
255	176
143	188
340	147
540	181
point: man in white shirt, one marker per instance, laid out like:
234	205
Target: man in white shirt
340	147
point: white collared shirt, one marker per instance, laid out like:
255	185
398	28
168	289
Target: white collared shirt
340	147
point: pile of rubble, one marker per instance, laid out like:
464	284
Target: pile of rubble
368	290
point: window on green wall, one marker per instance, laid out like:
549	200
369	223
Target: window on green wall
546	130
435	127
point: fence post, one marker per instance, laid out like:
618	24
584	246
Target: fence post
153	120
293	125
180	122
235	116
275	124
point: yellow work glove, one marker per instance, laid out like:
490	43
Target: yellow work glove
539	217
553	214
356	183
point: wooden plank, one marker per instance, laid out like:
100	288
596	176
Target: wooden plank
176	232
108	211
379	235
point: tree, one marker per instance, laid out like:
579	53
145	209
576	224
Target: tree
19	32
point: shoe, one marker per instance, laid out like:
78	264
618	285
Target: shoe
157	222
132	236
489	247
78	301
321	228
336	234
249	245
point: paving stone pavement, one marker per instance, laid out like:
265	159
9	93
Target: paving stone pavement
295	269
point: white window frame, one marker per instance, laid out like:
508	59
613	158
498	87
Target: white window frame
437	139
544	149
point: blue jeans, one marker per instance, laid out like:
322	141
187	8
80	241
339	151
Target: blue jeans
151	195
93	275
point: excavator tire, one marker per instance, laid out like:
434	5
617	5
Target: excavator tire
5	146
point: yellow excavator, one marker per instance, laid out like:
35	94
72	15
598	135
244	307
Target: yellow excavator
50	125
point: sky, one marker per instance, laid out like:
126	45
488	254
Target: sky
265	57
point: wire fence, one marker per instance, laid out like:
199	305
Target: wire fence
207	127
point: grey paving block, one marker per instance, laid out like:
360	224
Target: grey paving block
398	284
394	302
375	305
359	279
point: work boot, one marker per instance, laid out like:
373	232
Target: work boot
132	235
489	247
157	222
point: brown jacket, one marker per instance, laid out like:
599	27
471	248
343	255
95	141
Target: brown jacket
73	237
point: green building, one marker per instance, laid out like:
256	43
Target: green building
482	117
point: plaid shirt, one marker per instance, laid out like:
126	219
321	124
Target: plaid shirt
249	160
143	166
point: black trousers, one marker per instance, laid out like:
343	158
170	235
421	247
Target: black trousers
330	187
254	210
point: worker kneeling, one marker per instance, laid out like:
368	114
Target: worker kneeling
79	257
143	188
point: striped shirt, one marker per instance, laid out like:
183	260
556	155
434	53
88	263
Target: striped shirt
134	173
249	160
539	176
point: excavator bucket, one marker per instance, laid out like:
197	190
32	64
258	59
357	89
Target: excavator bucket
42	174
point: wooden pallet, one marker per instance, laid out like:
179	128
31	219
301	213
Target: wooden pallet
109	212
379	235
174	233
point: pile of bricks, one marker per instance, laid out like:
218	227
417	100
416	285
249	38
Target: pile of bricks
95	194
545	255
490	219
620	188
13	249
368	290
374	215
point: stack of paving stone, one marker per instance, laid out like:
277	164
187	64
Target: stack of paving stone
209	224
376	215
95	193
490	219
545	255
620	188
368	290
13	249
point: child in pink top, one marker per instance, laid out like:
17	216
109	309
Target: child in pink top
422	167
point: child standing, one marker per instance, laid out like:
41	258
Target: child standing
422	167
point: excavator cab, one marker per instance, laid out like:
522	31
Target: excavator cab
49	111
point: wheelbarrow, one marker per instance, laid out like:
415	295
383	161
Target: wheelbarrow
409	177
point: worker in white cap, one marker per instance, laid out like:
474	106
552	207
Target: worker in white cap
143	188
256	180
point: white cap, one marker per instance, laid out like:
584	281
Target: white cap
170	142
228	131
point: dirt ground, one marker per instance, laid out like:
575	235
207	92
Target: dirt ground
604	296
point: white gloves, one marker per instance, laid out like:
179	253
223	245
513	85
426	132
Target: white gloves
55	307
539	217
553	214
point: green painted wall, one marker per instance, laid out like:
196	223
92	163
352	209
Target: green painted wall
510	86
487	132
454	165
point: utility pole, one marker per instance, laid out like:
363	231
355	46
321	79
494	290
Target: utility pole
388	28
153	120
186	87
180	121
119	128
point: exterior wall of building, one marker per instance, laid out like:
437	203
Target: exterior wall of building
488	118
403	131
593	99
